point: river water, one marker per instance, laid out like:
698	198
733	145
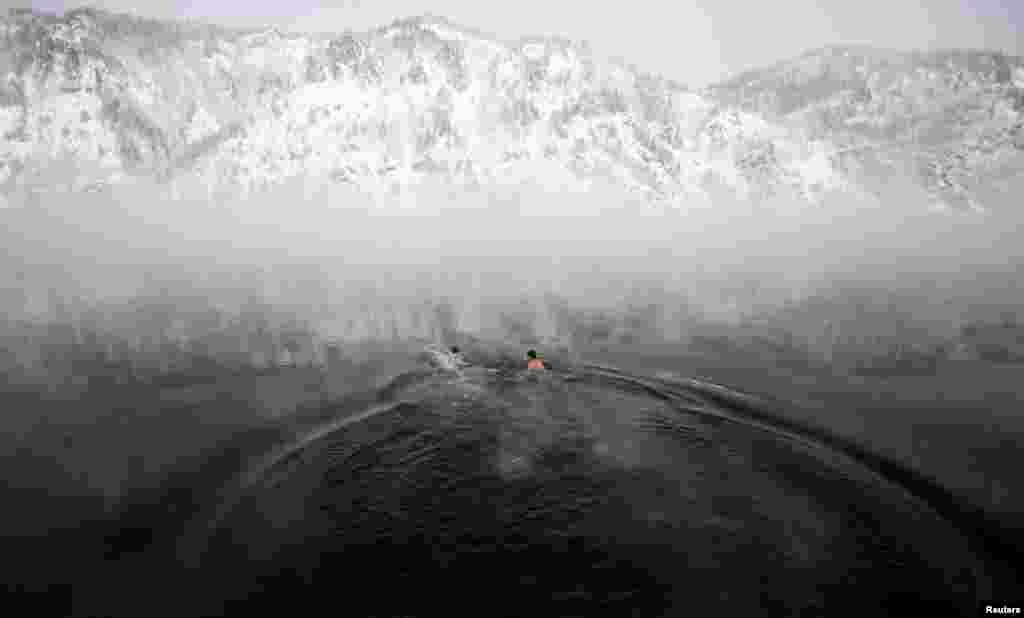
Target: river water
571	495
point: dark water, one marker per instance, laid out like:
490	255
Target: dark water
501	496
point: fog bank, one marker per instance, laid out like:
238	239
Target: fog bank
323	252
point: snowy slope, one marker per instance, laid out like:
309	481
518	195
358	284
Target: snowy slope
92	97
109	97
952	121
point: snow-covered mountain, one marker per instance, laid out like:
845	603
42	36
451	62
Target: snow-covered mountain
91	98
110	96
952	121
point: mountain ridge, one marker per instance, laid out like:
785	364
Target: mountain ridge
954	118
231	111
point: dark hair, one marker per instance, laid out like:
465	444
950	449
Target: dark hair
455	349
532	353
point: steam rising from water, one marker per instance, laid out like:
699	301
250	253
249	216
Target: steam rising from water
493	241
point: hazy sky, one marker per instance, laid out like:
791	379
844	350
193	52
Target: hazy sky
693	42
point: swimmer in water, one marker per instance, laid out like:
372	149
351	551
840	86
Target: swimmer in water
533	362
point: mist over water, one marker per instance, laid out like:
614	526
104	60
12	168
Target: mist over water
495	241
136	283
162	339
